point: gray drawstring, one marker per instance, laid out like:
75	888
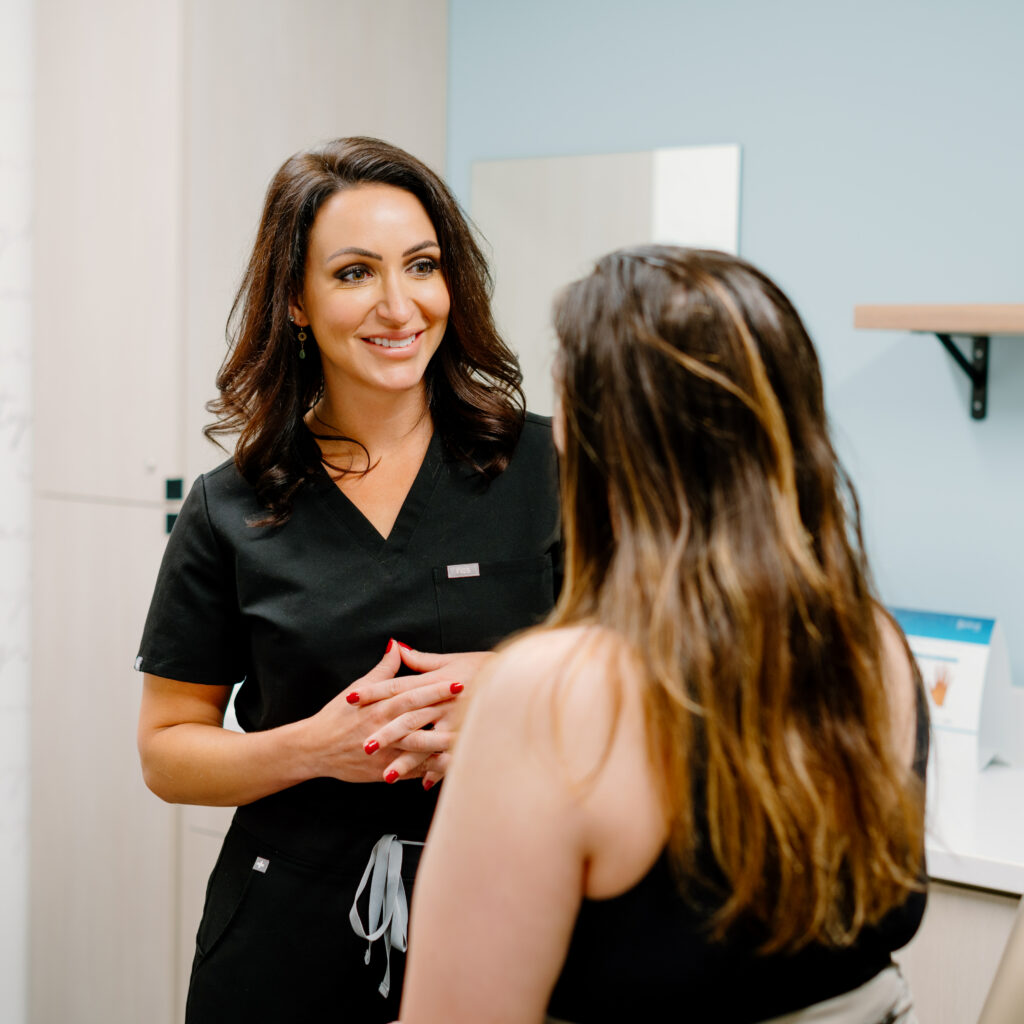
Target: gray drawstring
389	908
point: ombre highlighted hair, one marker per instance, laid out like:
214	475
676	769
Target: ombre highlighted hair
709	524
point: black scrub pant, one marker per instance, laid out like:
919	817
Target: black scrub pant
276	946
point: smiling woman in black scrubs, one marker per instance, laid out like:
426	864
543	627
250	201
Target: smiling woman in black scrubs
386	486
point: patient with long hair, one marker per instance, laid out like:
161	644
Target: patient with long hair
700	785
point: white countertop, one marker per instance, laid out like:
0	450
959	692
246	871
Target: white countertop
975	818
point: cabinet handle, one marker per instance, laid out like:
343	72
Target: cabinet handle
174	491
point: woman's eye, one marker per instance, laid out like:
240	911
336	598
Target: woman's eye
423	267
353	274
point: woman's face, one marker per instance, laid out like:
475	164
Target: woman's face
373	292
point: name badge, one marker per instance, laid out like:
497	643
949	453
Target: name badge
461	572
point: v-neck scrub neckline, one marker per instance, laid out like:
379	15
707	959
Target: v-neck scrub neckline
414	506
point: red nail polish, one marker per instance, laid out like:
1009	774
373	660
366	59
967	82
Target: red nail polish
391	643
404	646
392	776
457	687
370	746
427	783
353	697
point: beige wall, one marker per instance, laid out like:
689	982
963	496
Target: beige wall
157	128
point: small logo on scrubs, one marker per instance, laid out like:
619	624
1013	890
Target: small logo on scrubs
261	865
138	663
463	571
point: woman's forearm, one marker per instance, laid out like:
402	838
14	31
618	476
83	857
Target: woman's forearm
198	763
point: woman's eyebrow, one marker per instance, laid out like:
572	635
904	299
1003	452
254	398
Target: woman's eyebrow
354	250
427	244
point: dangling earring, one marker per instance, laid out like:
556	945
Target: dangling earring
301	336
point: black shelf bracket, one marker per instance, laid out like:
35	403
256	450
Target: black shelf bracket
976	369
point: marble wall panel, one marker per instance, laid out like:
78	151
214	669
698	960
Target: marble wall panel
15	472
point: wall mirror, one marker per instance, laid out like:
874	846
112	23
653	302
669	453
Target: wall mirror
547	219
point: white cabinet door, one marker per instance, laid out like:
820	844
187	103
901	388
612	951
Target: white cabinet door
104	849
108	371
108	354
952	960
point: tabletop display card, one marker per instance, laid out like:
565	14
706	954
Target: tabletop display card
966	669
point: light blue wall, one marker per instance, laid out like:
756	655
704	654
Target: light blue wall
883	161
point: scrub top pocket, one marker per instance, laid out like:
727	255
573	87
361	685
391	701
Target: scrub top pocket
479	604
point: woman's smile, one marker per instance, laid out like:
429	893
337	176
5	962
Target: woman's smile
395	342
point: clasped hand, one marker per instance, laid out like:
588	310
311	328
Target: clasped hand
377	727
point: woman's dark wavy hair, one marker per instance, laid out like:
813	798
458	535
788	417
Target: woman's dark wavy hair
709	525
473	382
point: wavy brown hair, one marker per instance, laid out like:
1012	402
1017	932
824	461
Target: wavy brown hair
473	382
709	524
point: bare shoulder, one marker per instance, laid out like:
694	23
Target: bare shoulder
900	682
566	687
570	652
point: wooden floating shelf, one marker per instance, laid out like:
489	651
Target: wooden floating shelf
977	322
982	320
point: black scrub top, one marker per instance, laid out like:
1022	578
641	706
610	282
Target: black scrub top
300	611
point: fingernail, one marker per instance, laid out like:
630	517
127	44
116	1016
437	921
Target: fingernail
392	776
427	783
391	643
404	646
370	746
457	687
353	697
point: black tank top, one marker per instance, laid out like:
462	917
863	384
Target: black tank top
632	956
